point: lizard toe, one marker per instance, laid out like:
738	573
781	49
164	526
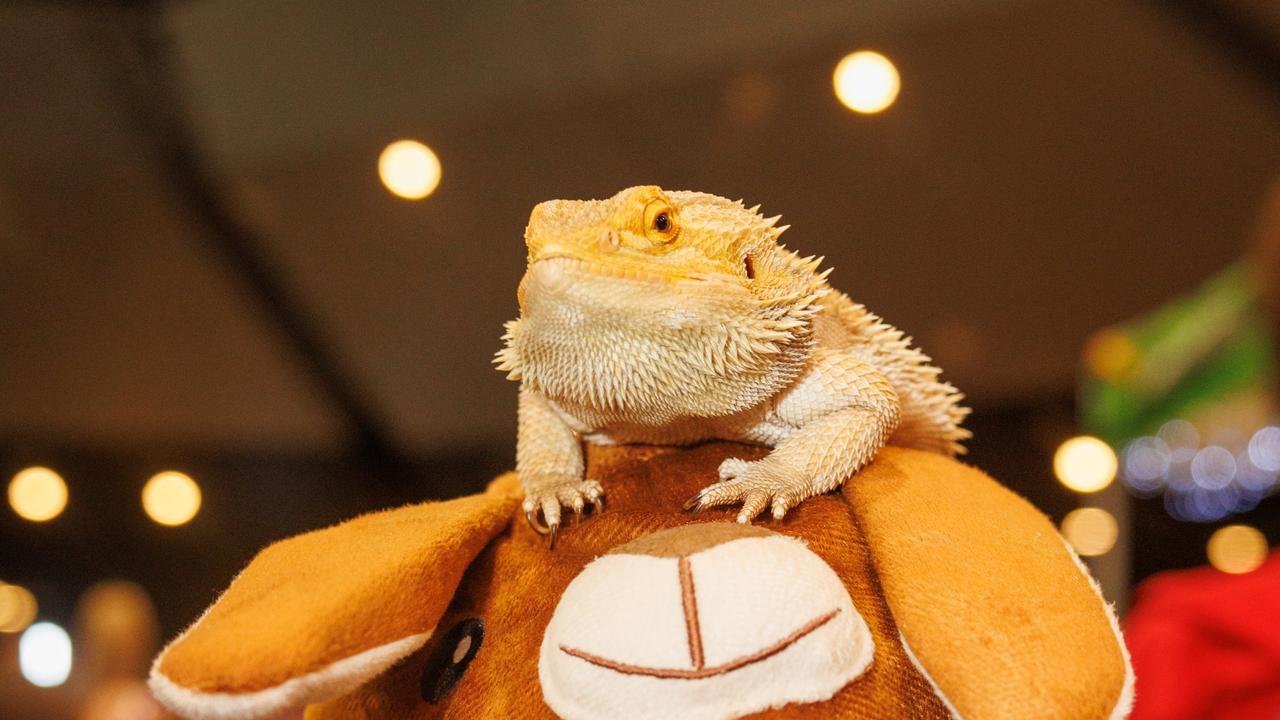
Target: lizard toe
551	512
733	468
752	506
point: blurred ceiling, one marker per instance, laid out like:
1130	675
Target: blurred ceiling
1050	167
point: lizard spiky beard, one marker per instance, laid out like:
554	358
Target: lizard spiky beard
676	317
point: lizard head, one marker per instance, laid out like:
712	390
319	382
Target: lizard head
672	236
651	288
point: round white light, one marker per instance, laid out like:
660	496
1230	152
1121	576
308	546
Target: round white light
44	655
38	494
409	169
1264	449
866	82
1237	549
1213	468
171	498
1182	439
1085	464
1091	531
18	608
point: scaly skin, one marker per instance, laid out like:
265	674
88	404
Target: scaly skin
676	317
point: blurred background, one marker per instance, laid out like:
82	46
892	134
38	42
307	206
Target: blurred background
235	306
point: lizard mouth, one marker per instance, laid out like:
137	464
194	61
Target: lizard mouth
556	264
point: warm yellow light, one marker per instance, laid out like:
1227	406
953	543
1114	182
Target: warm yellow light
1091	531
17	608
1110	355
1237	549
866	82
38	494
171	498
409	169
1085	464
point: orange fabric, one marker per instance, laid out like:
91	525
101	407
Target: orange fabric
309	601
516	583
974	578
985	592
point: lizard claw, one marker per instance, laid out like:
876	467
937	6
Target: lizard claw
756	485
531	517
543	503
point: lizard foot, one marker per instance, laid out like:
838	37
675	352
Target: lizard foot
756	485
547	499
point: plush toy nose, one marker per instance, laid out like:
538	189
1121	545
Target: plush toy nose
710	620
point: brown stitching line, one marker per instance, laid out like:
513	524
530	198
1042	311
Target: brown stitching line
678	674
689	599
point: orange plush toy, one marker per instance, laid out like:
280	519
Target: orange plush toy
922	590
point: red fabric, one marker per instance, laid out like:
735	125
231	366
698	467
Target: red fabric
1206	645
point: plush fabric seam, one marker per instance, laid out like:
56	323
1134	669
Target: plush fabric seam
928	678
326	683
1124	704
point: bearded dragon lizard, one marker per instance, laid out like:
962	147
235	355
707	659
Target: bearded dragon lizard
673	318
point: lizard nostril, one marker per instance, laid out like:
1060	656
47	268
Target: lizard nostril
610	240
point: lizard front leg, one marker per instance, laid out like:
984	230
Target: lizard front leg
550	464
844	411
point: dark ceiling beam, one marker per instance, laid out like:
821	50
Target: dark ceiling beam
1234	33
146	58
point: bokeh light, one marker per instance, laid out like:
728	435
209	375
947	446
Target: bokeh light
1203	481
38	494
1237	549
125	699
171	498
1146	465
1264	449
117	631
18	608
1085	464
44	655
1091	531
409	169
1213	468
1182	439
1110	355
866	82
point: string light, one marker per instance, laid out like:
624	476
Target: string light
171	498
866	82
44	655
1085	464
38	494
1237	549
1091	531
409	169
18	608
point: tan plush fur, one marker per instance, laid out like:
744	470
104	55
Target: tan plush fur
676	317
998	614
986	595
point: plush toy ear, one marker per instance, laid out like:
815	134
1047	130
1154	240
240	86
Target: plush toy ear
992	606
317	615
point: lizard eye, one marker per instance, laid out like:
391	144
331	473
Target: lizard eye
661	223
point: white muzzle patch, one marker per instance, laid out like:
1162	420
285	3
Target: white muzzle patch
735	627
